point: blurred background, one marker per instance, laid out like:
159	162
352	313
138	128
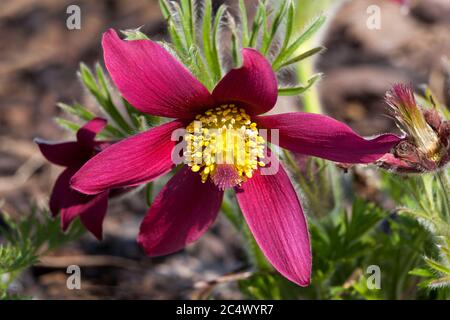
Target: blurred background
39	58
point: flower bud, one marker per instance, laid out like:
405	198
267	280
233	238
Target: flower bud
425	147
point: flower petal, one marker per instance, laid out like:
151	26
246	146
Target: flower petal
183	210
71	204
64	154
130	162
324	137
60	191
273	212
86	134
90	209
253	86
94	213
152	80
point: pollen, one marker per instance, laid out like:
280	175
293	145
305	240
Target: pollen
224	145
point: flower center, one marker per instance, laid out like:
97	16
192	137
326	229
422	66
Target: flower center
225	145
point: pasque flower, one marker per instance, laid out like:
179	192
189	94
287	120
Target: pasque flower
426	146
71	204
154	82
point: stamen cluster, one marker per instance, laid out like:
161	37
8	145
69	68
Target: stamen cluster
224	144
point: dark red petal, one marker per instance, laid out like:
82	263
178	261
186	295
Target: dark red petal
324	137
64	154
273	212
86	134
60	191
130	162
71	204
94	213
181	213
152	80
253	86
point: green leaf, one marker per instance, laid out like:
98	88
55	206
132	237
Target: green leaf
179	45
235	50
206	36
257	23
437	266
26	239
77	110
101	93
16	258
364	217
184	27
244	23
289	25
103	85
305	36
134	34
278	19
268	286
149	194
164	7
188	20
133	113
217	69
265	38
83	114
185	41
199	68
420	272
443	282
293	91
235	54
143	123
301	57
68	125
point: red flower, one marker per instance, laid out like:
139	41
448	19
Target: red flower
153	81
72	155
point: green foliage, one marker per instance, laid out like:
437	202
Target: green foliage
438	272
16	258
287	55
344	236
196	41
339	242
319	182
425	198
302	56
98	87
134	34
267	285
209	40
294	91
123	119
22	242
344	244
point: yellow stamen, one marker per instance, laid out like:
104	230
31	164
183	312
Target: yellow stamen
224	144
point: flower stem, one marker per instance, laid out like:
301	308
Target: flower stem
445	184
305	69
311	100
231	216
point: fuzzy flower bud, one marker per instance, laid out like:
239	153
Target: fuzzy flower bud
426	145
